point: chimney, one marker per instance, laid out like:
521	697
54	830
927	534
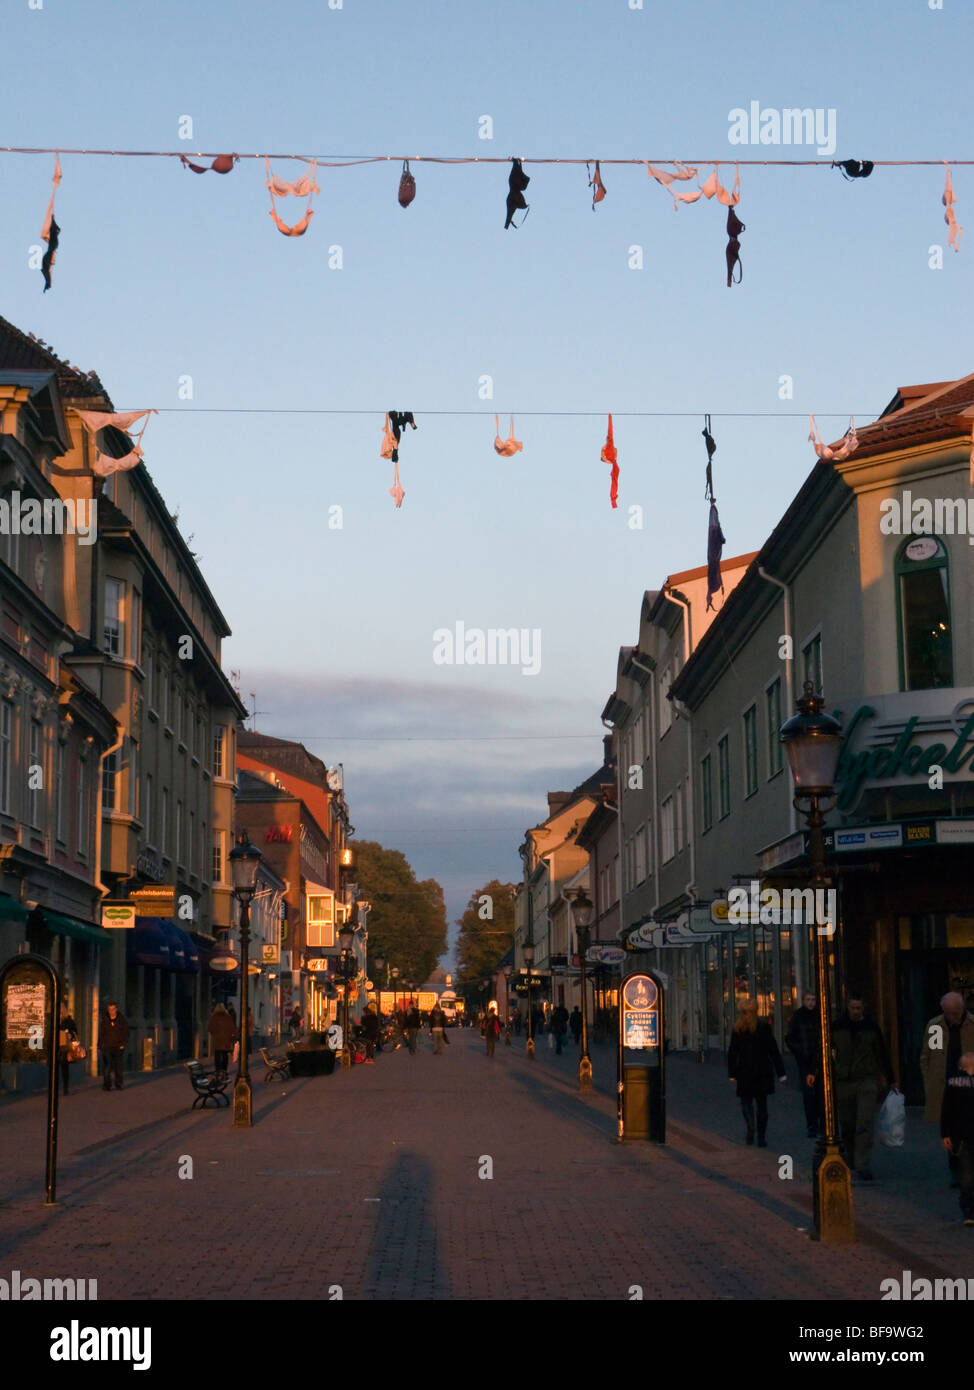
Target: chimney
607	749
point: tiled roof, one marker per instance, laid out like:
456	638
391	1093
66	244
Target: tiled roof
919	415
25	351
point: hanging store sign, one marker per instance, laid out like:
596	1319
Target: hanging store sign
895	739
270	953
640	1020
118	915
224	964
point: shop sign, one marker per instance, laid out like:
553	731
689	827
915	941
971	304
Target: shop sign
783	852
955	832
279	835
868	837
905	735
149	865
225	964
320	964
706	921
118	915
270	953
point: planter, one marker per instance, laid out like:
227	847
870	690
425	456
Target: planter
315	1061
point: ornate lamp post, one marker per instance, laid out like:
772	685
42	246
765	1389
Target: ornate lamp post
582	910
244	863
812	741
528	952
347	970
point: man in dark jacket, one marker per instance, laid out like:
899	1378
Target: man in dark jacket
370	1027
559	1026
412	1023
862	1078
957	1129
113	1035
803	1041
438	1028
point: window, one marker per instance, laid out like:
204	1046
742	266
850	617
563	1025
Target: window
192	857
133	779
647	837
320	926
707	791
665	708
812	653
164	820
150	677
678	818
218	734
34	800
637	742
83	806
773	705
136	626
148	808
923	616
219	840
723	774
109	774
6	753
641	854
164	692
667	829
179	832
751	750
114	589
59	794
190	734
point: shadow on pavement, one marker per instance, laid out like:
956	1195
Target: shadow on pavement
404	1258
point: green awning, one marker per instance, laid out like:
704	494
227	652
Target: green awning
11	910
71	926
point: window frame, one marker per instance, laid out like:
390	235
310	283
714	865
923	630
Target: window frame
723	776
707	791
749	736
902	567
775	747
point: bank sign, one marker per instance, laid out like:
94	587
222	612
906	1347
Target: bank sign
897	740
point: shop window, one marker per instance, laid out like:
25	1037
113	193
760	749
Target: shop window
923	614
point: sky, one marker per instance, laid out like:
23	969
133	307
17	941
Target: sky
163	275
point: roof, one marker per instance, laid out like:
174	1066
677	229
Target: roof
685	576
919	415
18	349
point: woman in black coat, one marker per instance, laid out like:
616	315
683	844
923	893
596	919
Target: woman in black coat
753	1061
67	1034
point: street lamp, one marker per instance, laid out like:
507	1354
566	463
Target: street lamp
395	988
527	950
244	863
582	910
347	970
379	964
812	740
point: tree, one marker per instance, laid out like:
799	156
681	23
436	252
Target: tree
407	921
486	931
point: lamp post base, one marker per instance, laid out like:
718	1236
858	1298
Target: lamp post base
242	1103
346	1058
832	1196
531	1047
585	1074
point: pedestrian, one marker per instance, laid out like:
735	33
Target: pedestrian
516	1021
559	1026
753	1061
575	1023
370	1027
438	1028
113	1034
862	1077
412	1025
957	1129
222	1034
803	1041
491	1031
294	1023
67	1034
945	1038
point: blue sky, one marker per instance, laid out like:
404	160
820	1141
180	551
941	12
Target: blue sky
162	274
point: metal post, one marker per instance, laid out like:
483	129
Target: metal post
831	1180
585	1062
52	1090
242	1092
530	1045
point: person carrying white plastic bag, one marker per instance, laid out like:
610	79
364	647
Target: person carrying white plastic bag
891	1120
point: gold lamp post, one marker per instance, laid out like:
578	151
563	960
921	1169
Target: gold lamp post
527	951
812	741
244	863
582	911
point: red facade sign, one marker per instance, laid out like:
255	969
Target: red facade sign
279	834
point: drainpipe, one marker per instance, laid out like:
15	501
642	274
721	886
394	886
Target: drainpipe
789	677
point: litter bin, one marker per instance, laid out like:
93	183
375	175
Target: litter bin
635	1101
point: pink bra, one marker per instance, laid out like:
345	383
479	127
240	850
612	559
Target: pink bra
508	447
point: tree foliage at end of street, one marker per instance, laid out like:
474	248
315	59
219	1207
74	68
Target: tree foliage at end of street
407	920
486	931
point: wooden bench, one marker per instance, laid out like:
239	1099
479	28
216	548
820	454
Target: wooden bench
207	1086
279	1071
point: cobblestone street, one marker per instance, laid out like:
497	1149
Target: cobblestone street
368	1182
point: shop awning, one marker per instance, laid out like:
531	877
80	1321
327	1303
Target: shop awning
147	943
11	910
192	951
74	926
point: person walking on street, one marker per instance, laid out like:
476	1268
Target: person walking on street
862	1078
945	1038
222	1033
294	1022
67	1034
438	1028
957	1130
803	1041
559	1026
370	1027
113	1035
412	1025
753	1061
575	1024
491	1031
516	1020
